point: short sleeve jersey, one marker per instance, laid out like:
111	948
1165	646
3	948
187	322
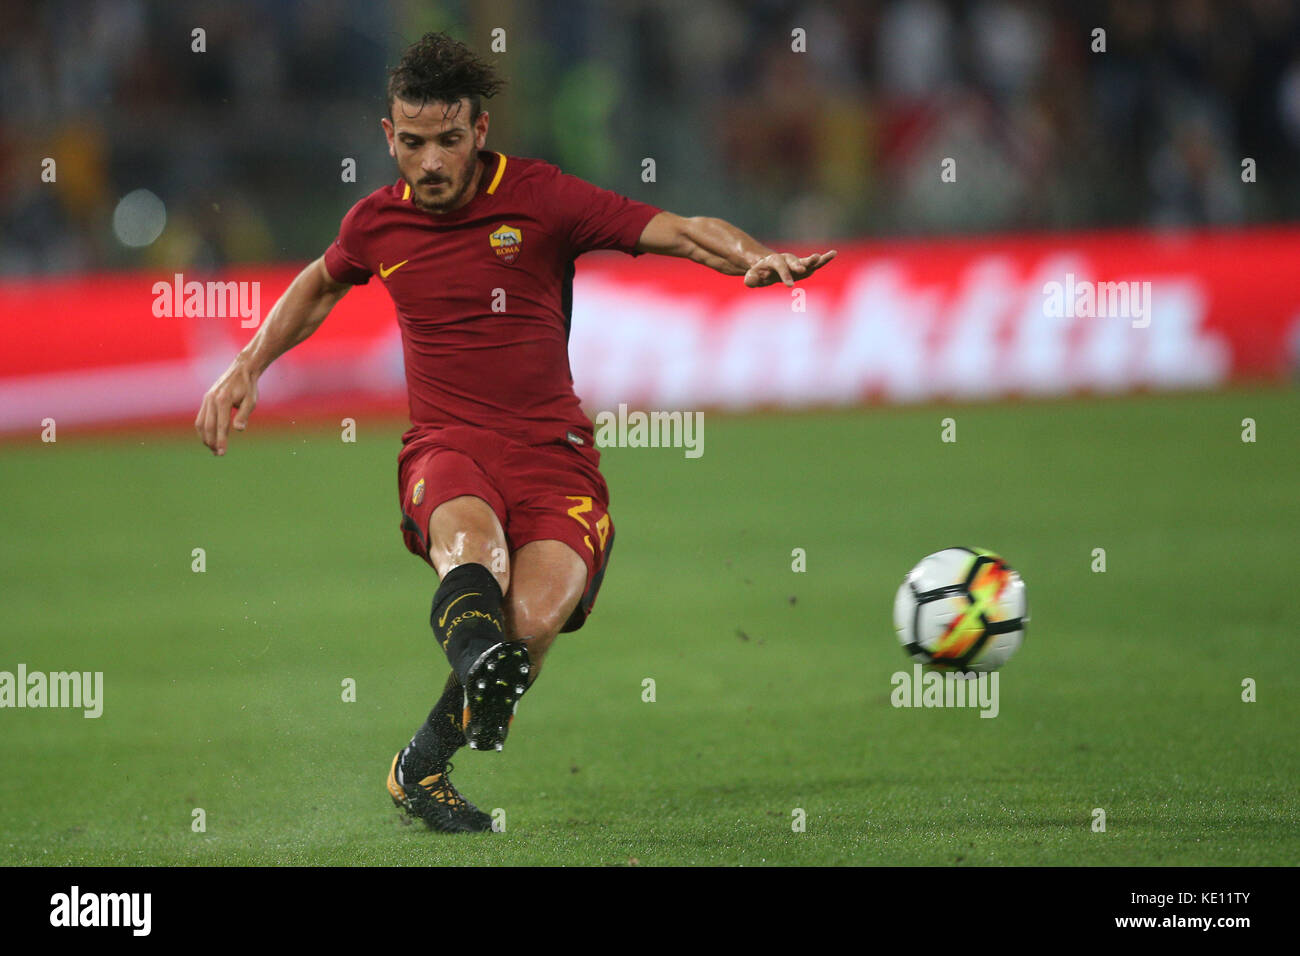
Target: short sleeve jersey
484	293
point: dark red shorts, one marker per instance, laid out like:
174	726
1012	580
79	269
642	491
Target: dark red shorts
551	492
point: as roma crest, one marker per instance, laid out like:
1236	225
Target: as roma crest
506	242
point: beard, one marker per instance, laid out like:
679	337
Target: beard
454	195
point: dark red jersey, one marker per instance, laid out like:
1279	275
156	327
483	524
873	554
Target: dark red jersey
484	293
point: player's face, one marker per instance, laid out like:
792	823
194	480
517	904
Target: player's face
436	151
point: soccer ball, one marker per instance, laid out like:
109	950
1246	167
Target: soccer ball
961	609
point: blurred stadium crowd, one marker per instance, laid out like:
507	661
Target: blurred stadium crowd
244	143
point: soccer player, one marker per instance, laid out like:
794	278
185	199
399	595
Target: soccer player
498	475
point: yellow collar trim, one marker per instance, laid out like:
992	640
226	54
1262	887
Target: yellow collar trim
501	168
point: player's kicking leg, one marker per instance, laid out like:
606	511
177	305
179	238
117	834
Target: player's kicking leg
466	546
492	665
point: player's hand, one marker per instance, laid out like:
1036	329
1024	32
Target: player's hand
235	389
785	267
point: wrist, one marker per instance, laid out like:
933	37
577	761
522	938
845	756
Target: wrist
248	360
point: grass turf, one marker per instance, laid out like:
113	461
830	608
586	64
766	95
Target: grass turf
223	688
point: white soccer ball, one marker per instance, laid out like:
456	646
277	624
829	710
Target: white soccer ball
961	609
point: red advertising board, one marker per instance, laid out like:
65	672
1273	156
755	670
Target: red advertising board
887	321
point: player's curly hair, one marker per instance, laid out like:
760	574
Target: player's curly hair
437	68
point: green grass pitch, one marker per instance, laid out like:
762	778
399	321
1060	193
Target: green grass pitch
223	689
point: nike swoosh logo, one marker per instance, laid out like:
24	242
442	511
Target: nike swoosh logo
442	621
385	273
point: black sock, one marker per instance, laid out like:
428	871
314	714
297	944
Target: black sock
466	616
441	735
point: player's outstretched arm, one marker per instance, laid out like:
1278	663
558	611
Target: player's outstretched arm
295	316
719	245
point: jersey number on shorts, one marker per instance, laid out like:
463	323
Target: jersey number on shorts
602	526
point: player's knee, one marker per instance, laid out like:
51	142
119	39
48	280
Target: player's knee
549	583
466	547
465	530
485	552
